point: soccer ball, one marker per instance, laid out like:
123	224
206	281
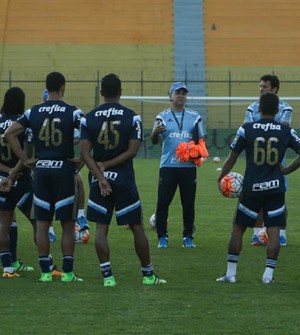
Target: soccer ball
152	221
216	159
231	185
263	236
82	236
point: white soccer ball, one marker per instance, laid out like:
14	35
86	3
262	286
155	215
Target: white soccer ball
81	236
152	221
263	236
216	159
231	185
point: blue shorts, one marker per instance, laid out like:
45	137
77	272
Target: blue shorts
55	190
124	199
20	196
273	206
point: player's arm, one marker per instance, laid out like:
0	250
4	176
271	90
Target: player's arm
229	164
85	151
11	135
130	153
292	167
158	128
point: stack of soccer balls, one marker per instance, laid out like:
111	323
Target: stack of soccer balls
81	236
231	185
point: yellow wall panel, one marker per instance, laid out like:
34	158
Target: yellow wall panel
252	33
86	22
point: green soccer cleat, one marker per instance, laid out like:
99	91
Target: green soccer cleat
153	280
46	277
109	282
20	266
68	277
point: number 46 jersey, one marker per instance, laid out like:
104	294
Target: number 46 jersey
265	143
52	124
109	127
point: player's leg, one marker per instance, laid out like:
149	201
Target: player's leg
129	212
6	218
166	190
274	218
81	219
245	216
103	253
282	232
187	187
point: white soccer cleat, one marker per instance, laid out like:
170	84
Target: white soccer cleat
225	279
267	280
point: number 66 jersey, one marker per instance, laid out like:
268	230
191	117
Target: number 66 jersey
265	143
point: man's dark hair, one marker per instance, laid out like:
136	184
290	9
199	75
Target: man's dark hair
14	102
55	81
111	86
274	80
268	104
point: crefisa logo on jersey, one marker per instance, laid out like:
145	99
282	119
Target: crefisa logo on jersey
267	126
183	134
109	112
6	124
51	109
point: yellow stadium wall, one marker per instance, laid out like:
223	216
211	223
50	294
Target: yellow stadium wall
80	38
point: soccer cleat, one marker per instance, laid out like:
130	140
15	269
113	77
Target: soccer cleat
68	277
153	280
109	282
187	242
10	275
52	237
282	241
56	272
19	266
83	223
163	242
255	241
267	280
45	277
225	279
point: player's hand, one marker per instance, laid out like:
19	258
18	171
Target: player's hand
105	187
30	163
6	184
159	129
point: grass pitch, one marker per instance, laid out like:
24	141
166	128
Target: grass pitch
191	303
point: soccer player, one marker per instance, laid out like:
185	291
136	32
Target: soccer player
269	83
20	194
52	123
114	132
81	220
265	143
173	126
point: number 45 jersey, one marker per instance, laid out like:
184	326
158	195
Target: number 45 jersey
265	143
109	128
52	124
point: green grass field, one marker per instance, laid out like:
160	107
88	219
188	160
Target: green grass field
191	303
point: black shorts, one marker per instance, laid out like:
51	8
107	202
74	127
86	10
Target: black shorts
273	210
124	199
20	195
55	190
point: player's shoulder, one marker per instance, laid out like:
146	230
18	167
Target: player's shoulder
284	105
253	106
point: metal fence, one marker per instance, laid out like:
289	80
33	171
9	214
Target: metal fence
222	117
